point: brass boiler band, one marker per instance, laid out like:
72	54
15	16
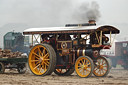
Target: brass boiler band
83	52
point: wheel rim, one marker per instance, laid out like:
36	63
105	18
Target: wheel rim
101	67
39	60
83	67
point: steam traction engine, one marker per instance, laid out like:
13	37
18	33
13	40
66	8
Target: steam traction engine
76	47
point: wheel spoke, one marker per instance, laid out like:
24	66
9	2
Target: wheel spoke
36	54
43	52
36	63
88	67
95	69
40	69
104	63
46	59
36	66
84	62
105	66
40	53
87	62
60	70
80	69
45	56
98	61
34	60
45	63
87	70
98	71
104	69
80	63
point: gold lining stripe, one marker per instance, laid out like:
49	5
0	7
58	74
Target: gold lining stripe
78	51
83	51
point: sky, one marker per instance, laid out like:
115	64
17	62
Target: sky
19	15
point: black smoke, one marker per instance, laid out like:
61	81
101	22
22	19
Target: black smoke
87	11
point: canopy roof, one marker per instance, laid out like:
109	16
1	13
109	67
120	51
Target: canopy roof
72	30
106	29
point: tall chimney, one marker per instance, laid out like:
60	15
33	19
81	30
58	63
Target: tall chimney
92	22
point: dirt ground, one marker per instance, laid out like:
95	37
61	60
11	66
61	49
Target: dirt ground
115	77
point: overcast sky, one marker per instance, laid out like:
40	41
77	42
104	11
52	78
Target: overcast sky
20	14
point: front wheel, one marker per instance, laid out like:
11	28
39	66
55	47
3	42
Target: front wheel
101	68
84	66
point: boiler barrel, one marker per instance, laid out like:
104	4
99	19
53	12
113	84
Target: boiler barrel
83	52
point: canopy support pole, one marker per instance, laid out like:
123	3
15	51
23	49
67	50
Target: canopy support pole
32	39
101	38
97	37
110	37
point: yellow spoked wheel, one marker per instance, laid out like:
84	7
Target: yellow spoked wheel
64	72
41	59
101	67
84	66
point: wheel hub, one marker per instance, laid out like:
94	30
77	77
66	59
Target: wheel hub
101	66
84	66
40	60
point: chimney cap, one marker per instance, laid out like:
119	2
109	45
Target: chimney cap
91	21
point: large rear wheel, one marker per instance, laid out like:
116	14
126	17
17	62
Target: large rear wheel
42	59
84	66
101	68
